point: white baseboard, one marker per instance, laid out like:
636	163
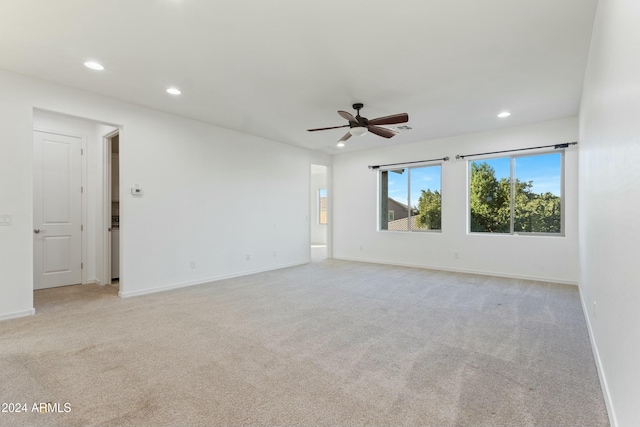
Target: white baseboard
462	270
596	354
203	281
17	314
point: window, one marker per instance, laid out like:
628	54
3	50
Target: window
322	206
518	194
410	199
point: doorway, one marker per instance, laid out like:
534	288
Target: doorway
319	218
68	193
111	274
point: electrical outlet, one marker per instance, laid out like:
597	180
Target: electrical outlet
247	257
361	248
456	255
192	264
275	254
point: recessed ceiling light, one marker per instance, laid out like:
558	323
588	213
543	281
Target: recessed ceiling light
504	114
94	65
174	91
340	144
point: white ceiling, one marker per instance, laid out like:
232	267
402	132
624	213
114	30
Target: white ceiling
276	68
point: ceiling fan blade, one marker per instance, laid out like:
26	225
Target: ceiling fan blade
387	133
348	116
345	137
334	127
390	120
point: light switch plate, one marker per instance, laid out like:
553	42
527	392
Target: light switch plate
6	220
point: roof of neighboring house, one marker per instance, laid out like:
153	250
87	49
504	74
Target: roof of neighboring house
402	205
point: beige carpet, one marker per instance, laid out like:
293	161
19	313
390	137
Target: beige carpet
328	343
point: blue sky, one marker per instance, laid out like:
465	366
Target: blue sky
543	169
422	178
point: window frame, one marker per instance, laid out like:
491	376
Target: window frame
409	215
512	189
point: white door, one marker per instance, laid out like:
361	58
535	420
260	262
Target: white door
57	210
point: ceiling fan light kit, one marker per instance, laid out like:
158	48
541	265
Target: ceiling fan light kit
359	126
358	131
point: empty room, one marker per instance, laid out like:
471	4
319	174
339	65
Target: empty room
411	213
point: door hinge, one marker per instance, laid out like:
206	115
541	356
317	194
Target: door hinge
81	265
82	151
81	190
81	227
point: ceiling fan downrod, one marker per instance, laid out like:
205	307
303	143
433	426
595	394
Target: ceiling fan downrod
357	106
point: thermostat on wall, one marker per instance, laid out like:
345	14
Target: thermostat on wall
136	191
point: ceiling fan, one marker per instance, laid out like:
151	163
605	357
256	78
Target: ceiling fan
361	125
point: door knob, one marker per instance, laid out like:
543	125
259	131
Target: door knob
37	230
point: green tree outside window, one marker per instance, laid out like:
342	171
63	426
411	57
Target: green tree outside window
533	211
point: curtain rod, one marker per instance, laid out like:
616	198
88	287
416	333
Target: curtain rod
408	163
555	146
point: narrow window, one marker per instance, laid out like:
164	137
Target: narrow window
322	206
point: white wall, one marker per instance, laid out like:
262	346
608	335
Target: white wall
16	199
535	257
211	195
610	203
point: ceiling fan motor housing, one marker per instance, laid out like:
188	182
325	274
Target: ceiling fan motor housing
361	121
